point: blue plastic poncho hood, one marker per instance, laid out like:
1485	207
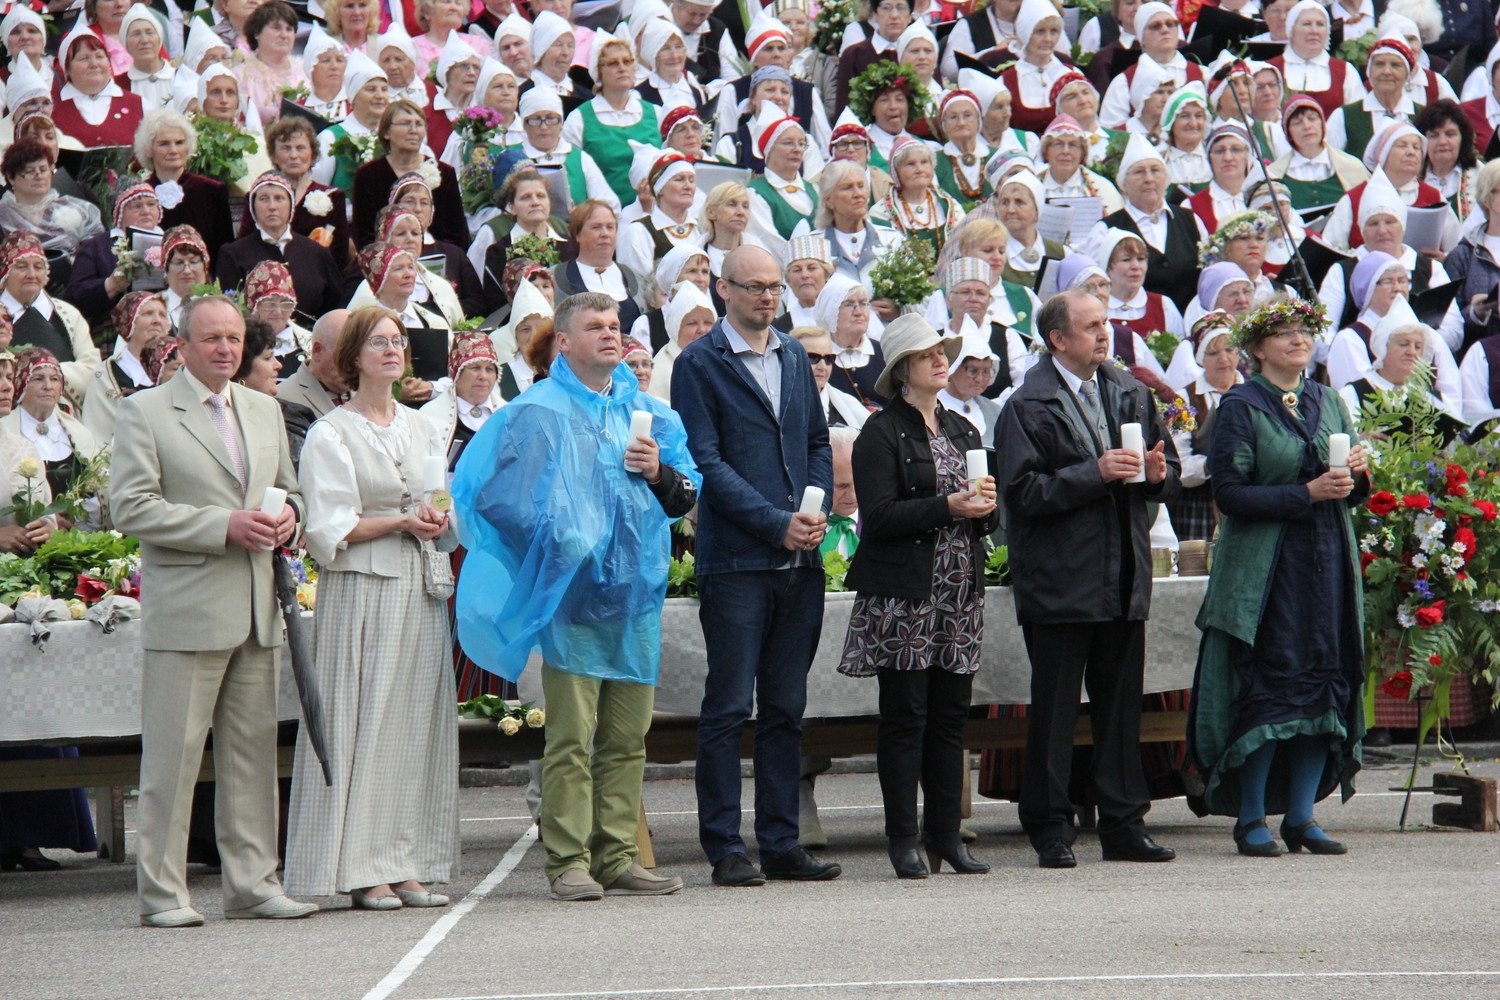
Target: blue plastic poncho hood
566	549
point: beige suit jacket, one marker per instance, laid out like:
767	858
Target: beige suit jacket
303	388
175	487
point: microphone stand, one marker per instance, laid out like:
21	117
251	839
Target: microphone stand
1300	277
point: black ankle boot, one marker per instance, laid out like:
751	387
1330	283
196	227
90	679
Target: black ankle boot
950	847
905	859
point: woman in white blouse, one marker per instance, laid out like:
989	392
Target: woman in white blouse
63	442
389	822
150	74
1314	172
140	319
664	58
689	314
1212	343
1184	124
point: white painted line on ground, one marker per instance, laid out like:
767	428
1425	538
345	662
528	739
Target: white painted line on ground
997	981
450	919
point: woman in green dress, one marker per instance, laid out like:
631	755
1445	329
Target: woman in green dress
916	206
1314	172
1277	709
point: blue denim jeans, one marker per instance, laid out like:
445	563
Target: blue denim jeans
760	630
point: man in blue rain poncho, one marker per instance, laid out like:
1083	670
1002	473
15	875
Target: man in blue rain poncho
567	535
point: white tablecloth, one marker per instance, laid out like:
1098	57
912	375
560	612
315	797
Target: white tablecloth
83	683
1004	679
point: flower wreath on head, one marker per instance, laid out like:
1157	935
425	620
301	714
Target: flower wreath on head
1211	250
883	75
1262	322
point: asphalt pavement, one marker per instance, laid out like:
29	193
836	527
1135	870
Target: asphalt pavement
1403	915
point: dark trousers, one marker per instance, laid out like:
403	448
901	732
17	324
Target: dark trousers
1109	657
921	740
760	631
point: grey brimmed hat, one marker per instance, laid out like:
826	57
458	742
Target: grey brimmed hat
906	335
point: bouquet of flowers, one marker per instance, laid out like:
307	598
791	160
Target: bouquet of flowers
357	149
903	274
296	93
1429	543
833	19
1178	416
478	124
509	719
25	507
127	261
533	247
476	186
223	149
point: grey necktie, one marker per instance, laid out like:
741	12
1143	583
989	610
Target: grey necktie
1090	393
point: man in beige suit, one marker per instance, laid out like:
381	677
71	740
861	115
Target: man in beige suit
192	460
315	384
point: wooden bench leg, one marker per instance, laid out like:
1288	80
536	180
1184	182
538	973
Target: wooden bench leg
646	854
109	823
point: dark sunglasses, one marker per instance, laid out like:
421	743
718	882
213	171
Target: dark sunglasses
823	359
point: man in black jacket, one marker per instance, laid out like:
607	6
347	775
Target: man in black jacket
1080	555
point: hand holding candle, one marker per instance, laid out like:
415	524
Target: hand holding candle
640	427
1132	440
1338	452
978	461
435	483
812	501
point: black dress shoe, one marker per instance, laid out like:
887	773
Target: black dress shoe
28	859
1141	849
797	865
736	870
1055	854
1269	849
1296	838
951	848
905	858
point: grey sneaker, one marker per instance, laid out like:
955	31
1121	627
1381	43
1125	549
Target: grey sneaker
575	885
637	881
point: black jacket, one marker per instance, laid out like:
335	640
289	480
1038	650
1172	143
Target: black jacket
1070	556
895	479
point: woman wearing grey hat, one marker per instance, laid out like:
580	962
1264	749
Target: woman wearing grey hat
918	617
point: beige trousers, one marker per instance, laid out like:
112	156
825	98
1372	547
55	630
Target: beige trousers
182	693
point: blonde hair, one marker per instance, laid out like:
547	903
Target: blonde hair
977	231
335	21
720	195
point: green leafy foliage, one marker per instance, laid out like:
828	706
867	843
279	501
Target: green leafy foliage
509	719
997	567
223	150
533	247
834	18
835	568
1356	51
903	273
1163	346
681	580
54	568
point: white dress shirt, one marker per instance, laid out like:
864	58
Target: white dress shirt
130	364
91	109
631	114
637	250
1380	117
54	445
1318	168
610	281
1315	75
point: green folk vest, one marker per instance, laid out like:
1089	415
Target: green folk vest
1314	194
951	181
783	216
609	145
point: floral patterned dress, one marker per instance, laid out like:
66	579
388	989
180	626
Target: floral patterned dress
944	630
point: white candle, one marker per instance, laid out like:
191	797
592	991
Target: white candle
979	466
1338	451
1131	440
812	500
273	502
434	473
640	426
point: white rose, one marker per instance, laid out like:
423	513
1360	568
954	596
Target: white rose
29	468
430	173
67	218
169	194
318	203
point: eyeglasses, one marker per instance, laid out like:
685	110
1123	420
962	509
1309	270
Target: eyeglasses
850	145
797	144
278	305
756	289
383	343
543	121
978	371
184	264
821	359
1393	283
